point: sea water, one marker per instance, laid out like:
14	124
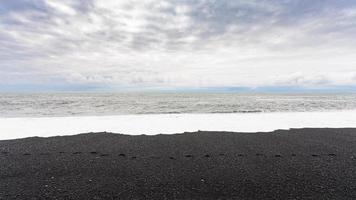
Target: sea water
50	114
103	104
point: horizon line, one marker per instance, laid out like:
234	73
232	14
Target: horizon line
231	89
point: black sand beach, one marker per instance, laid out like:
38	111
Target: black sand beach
294	164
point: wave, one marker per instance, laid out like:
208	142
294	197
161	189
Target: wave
12	128
29	105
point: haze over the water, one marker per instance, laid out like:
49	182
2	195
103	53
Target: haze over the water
111	45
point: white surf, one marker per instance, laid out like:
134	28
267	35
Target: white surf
12	128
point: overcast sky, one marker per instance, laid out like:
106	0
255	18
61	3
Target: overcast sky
116	44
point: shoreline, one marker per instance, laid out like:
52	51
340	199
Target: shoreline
284	164
13	128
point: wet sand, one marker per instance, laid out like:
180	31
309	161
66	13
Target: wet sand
293	164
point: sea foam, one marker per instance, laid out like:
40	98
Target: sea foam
12	128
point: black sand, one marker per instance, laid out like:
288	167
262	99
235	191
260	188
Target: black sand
295	164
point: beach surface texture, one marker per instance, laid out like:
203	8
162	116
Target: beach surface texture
284	164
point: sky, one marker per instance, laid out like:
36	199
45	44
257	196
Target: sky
86	45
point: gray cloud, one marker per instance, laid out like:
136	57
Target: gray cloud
178	43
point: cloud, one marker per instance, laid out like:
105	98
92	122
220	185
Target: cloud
178	43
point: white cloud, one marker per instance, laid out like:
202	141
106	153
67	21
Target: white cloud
165	43
61	7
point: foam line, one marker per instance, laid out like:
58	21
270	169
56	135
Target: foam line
12	128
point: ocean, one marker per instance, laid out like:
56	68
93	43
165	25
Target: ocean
104	104
52	114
